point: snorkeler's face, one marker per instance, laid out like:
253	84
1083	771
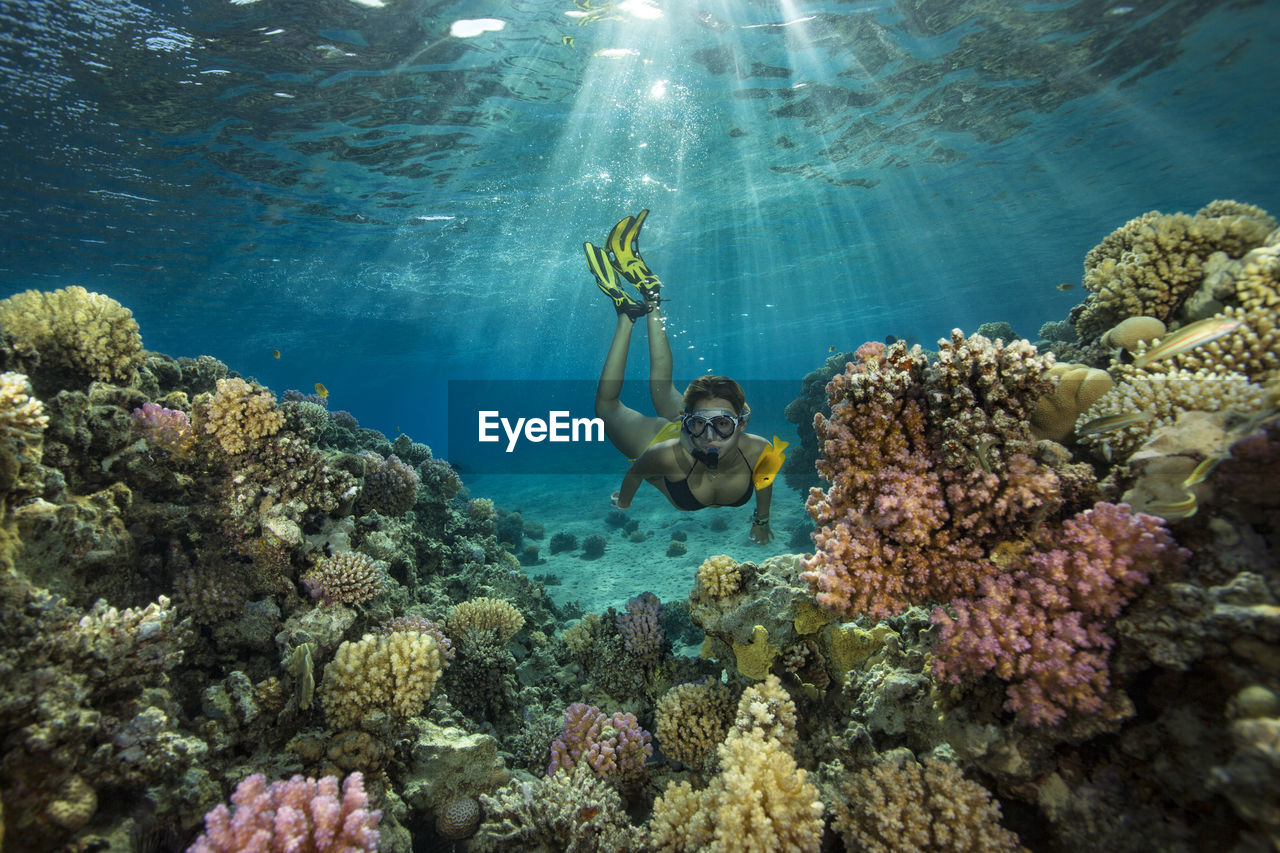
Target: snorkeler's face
713	423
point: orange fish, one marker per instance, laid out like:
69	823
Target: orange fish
322	391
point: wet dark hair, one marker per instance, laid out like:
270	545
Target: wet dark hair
706	387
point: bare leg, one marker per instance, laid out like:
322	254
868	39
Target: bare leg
629	430
667	401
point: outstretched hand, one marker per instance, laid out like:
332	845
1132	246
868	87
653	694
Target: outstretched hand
616	500
761	534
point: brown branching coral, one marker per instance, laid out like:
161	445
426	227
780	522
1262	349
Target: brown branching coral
902	807
238	415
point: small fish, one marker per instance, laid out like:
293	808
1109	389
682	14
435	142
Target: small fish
981	452
322	391
1066	285
1201	472
831	349
567	41
1106	423
769	463
1174	510
275	353
587	812
1187	338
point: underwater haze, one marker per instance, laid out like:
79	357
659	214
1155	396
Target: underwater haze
393	198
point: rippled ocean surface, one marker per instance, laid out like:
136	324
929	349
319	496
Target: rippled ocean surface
394	194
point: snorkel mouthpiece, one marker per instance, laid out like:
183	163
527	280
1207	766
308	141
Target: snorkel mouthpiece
709	457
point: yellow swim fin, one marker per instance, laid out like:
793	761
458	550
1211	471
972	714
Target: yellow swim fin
624	246
607	281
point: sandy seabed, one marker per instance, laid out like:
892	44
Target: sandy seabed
579	504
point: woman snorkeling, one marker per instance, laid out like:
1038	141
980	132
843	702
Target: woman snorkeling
696	450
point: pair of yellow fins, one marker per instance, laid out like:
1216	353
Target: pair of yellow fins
621	257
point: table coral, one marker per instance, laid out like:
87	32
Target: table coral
74	328
1043	625
300	814
394	673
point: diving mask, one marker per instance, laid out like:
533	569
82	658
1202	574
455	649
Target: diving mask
722	422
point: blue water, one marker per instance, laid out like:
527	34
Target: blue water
394	208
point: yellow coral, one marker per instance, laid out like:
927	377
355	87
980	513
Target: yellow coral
485	615
692	719
1127	334
767	708
849	645
893	807
718	576
760	801
22	417
238	415
755	658
71	327
394	673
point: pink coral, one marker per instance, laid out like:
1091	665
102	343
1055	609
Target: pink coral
903	522
614	747
1042	626
165	429
298	815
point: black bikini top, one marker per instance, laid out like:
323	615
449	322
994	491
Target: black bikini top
682	496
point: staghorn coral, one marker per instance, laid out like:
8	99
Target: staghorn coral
1152	264
394	673
615	747
1042	625
300	814
641	626
390	486
718	577
911	512
87	332
238	415
575	812
692	720
484	616
348	577
899	805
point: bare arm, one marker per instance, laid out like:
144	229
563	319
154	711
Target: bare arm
642	469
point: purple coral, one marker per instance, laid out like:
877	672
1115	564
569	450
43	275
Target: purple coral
165	429
301	814
615	747
390	486
641	625
1042	626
